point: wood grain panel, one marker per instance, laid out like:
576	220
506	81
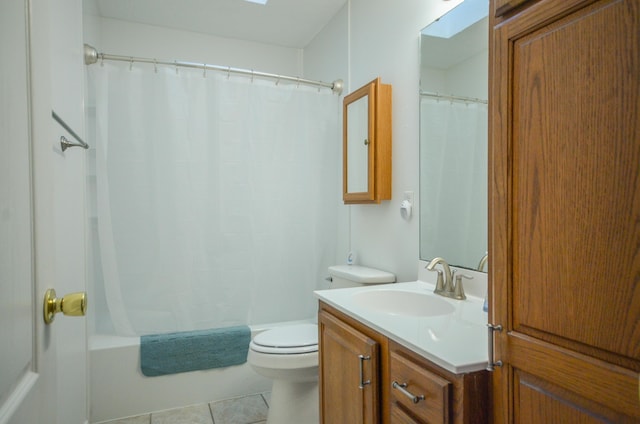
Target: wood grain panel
564	208
343	400
502	7
577	262
434	408
536	405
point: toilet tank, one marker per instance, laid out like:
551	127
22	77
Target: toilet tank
343	276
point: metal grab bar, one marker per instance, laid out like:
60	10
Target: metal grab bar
64	143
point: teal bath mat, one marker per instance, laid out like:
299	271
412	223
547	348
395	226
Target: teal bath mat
171	353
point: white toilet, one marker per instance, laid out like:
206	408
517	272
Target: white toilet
289	355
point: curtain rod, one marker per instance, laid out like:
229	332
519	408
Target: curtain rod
91	56
451	97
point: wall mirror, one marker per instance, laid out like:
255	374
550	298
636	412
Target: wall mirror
453	136
367	144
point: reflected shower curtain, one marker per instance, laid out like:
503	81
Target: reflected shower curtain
216	201
453	149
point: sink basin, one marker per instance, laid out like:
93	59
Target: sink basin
398	302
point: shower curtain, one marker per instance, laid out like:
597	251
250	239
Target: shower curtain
453	175
216	197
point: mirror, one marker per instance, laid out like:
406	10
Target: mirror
358	145
453	136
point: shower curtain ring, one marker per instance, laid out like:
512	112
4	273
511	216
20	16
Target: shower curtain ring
278	80
131	63
252	75
155	66
176	63
204	70
297	82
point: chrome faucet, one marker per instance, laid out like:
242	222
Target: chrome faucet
444	284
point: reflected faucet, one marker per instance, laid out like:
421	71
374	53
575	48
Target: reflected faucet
447	287
483	262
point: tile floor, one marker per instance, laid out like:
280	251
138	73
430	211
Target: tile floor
243	410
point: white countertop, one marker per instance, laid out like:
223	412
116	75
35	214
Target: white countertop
456	342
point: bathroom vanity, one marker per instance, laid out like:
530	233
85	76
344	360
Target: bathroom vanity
380	365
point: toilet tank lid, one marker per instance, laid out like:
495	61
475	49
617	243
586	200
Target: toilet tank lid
361	274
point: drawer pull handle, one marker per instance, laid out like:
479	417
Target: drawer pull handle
363	358
492	363
407	393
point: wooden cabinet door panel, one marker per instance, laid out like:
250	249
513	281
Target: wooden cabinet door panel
575	140
565	211
343	398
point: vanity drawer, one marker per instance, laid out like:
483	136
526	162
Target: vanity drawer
412	380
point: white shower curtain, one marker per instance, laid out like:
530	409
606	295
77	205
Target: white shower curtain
216	197
453	180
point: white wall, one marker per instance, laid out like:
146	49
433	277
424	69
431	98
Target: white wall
382	39
131	39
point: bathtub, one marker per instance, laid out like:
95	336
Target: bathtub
117	388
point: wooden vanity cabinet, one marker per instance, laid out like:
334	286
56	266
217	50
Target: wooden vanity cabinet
448	398
564	211
352	360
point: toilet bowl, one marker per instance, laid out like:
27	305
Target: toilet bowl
289	355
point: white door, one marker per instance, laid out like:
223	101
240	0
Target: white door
42	367
68	208
22	385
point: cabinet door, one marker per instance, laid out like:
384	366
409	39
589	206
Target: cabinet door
565	212
349	382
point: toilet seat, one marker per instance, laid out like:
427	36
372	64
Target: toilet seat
290	340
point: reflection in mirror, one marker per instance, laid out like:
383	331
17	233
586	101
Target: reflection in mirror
357	146
453	136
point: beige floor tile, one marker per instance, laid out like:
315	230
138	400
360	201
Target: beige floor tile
245	410
197	414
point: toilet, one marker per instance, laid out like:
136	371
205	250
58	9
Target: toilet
289	355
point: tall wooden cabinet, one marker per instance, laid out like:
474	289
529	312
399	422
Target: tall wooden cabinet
564	210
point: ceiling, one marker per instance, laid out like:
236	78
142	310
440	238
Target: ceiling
288	23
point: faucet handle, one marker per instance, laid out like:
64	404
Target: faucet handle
458	289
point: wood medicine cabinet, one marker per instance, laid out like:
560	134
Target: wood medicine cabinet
366	148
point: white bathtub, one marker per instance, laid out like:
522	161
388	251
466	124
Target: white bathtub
118	389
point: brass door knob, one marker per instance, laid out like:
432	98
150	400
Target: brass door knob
73	304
